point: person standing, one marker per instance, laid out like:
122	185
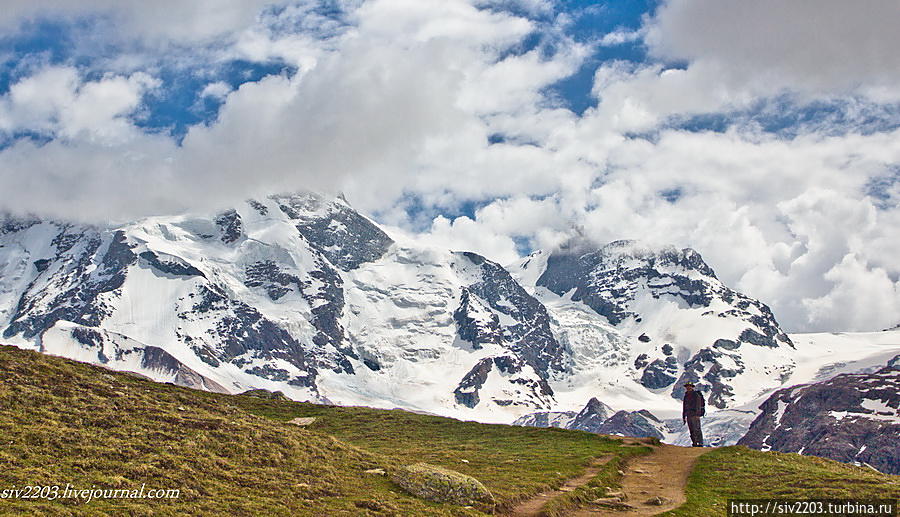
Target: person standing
693	408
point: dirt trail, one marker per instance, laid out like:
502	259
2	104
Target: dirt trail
533	506
662	473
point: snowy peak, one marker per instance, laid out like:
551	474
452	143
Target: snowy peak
609	279
676	320
333	228
592	416
302	294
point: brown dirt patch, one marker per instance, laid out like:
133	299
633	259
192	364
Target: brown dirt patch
533	506
660	474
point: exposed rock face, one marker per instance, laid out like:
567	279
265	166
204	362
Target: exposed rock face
558	419
170	265
88	264
467	391
337	231
850	418
591	417
155	358
526	326
532	390
230	225
638	424
660	373
475	322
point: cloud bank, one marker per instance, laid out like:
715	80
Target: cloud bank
439	117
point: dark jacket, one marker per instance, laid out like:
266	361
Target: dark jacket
694	405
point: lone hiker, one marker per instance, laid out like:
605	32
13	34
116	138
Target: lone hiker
694	408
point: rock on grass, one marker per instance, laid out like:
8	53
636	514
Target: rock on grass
266	394
441	485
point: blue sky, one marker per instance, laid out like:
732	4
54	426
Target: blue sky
51	39
766	135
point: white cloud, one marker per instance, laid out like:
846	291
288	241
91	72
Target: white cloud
826	46
382	102
57	103
621	36
216	90
400	98
159	20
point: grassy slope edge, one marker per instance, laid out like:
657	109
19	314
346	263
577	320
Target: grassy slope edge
737	472
65	422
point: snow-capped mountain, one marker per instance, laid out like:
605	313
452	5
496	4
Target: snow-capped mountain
297	293
664	319
302	294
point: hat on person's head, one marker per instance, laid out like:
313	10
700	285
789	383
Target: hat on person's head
691	384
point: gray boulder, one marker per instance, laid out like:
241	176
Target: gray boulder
441	485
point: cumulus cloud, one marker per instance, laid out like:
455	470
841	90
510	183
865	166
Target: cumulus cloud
216	90
159	20
55	101
438	101
822	47
389	98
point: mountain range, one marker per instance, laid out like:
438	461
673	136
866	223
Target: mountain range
300	293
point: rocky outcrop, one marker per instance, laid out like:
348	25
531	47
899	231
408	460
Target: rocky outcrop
592	417
170	265
638	424
660	373
475	322
157	359
853	418
525	388
466	392
558	419
230	226
441	485
265	394
333	228
526	331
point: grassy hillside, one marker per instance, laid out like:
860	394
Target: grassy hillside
742	473
66	422
70	423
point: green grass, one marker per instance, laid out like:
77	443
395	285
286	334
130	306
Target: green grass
742	473
64	422
513	462
70	423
